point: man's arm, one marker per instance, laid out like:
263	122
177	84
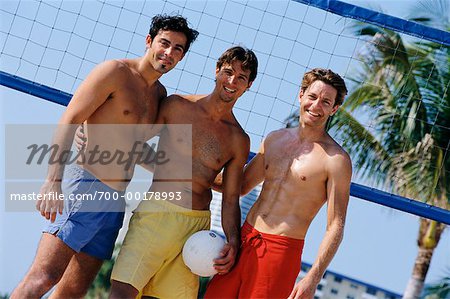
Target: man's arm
148	152
254	170
148	161
253	174
231	211
338	192
91	94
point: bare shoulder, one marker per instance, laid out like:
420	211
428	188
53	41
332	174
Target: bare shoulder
240	136
240	142
119	67
175	103
275	137
107	76
239	139
193	97
110	68
179	99
162	91
338	159
170	101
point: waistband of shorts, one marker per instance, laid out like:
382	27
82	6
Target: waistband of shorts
247	229
87	176
167	206
77	169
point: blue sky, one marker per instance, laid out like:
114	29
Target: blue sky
379	245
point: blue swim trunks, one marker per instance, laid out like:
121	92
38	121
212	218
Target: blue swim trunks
93	214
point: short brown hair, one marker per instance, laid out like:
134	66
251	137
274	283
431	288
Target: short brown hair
328	77
246	56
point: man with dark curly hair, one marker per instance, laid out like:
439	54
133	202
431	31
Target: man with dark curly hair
120	92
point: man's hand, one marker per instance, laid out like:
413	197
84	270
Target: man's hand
304	289
80	139
224	263
51	200
218	182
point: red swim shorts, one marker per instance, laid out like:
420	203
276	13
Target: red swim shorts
267	267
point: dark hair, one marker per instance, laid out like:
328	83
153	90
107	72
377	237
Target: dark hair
175	23
246	56
328	77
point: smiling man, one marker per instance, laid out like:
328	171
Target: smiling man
302	168
121	96
150	260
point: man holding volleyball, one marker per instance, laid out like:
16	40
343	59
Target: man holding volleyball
302	168
200	136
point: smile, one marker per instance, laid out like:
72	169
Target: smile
313	114
165	61
229	90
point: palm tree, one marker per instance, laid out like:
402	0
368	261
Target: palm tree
439	290
404	89
102	284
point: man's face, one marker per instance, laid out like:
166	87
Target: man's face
166	50
317	103
232	81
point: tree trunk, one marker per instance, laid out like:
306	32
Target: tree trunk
429	236
416	282
413	288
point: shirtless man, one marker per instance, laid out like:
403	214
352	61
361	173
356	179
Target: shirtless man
121	92
302	168
150	260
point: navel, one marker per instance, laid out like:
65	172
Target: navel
126	112
303	178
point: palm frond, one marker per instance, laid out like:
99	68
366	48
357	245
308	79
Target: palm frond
368	154
416	172
438	290
433	13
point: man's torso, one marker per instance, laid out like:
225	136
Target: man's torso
120	123
295	183
194	165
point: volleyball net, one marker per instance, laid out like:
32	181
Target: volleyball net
395	123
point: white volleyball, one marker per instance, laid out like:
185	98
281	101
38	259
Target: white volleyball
200	250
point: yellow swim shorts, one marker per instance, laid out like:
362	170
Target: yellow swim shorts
150	258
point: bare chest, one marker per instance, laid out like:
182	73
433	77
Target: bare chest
131	104
297	166
211	145
211	141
